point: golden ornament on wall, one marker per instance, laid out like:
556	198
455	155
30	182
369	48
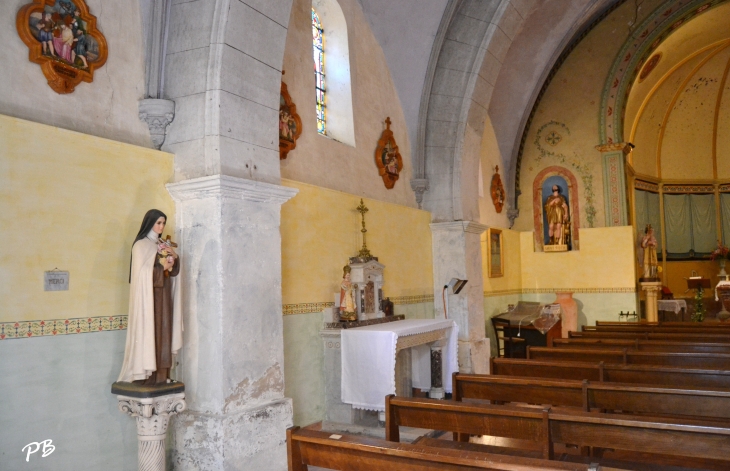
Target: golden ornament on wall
497	191
387	157
62	37
290	125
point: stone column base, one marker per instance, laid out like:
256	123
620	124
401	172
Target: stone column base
474	356
253	439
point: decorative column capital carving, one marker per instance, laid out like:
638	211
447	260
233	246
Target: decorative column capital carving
152	413
512	214
420	186
158	114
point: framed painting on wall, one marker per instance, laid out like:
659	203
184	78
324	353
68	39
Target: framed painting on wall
495	256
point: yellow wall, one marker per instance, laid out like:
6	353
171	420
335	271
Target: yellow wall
511	282
678	272
73	202
605	260
320	230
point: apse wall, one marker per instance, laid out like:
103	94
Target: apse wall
564	130
320	230
321	160
108	107
71	202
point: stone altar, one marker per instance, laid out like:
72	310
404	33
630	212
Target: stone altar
344	414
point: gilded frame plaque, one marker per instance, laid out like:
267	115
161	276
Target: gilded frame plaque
387	157
290	124
62	38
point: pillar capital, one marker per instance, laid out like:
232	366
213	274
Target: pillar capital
230	187
458	226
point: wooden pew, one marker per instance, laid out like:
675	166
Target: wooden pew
350	453
679	337
589	396
643	345
618	356
718	361
657	329
691	440
662	324
548	369
687	378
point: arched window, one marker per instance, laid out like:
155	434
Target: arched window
318	52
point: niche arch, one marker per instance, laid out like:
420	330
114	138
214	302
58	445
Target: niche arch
573	203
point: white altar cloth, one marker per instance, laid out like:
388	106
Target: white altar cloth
673	305
721	284
368	359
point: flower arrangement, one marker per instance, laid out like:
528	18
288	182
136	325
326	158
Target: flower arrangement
720	252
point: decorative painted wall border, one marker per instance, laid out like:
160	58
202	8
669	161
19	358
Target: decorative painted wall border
507	292
647	186
311	308
421	298
306	308
725	187
688	189
85	325
502	292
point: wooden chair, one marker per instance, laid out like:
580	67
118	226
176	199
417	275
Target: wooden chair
511	347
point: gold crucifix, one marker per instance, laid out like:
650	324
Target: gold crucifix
364	252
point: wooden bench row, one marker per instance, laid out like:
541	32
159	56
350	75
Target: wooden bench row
695	337
656	329
590	396
642	345
692	439
349	453
689	325
624	356
689	378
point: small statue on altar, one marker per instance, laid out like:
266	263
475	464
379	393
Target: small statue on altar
348	310
556	210
648	245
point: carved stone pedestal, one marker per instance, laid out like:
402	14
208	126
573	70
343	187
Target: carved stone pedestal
651	288
153	416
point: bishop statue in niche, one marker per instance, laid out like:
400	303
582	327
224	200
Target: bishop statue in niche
556	215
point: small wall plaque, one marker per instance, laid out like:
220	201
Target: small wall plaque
55	281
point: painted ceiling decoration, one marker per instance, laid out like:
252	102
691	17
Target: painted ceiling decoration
633	54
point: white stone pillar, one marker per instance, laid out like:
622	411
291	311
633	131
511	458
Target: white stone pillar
457	253
651	288
153	416
232	360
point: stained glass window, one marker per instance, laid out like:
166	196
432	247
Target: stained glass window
318	52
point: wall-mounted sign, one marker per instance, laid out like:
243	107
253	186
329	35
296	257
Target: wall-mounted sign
55	281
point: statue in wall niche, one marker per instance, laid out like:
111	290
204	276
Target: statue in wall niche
649	259
154	330
348	309
556	210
